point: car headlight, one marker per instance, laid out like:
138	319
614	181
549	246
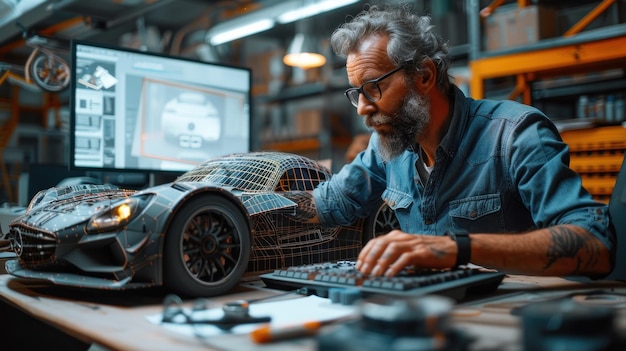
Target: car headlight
118	215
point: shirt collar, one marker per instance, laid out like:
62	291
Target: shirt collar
458	123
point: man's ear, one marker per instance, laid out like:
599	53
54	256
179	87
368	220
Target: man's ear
427	76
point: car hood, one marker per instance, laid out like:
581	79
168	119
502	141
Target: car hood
55	211
70	209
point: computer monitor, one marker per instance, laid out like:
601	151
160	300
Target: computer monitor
140	111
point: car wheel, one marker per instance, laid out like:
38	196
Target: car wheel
381	222
207	247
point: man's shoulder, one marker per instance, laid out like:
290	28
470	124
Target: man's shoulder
502	109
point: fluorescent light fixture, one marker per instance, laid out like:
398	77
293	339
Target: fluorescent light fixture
242	31
312	9
265	18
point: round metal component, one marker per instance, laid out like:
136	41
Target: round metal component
237	308
423	316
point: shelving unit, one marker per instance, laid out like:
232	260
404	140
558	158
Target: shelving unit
586	52
8	123
15	158
305	117
596	152
292	125
573	53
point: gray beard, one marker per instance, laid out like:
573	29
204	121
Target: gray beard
408	125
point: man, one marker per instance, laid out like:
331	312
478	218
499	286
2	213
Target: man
477	181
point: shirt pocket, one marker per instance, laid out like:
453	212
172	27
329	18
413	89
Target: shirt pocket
481	213
400	203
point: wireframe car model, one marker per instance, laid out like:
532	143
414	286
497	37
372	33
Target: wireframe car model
191	120
197	235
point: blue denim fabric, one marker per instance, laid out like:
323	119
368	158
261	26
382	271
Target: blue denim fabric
501	168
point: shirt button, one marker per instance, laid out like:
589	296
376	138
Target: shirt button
428	221
392	203
473	214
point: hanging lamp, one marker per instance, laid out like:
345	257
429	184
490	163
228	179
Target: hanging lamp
303	50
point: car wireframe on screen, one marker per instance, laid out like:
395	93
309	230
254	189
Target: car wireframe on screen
191	120
197	236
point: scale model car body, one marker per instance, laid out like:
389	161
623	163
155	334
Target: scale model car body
197	236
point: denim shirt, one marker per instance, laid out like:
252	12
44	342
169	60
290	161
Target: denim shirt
501	168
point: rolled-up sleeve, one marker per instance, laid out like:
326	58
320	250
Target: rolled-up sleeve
552	191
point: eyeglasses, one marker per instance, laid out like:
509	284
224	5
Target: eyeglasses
370	89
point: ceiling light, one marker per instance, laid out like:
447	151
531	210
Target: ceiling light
265	18
302	53
312	9
241	31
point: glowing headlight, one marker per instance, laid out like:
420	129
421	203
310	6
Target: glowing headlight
116	216
123	211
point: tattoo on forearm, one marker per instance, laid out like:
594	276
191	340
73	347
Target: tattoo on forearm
306	206
567	243
438	253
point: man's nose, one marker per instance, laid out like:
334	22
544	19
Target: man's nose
365	107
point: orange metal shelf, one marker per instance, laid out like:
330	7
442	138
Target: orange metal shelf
599	163
596	139
597	155
568	59
574	52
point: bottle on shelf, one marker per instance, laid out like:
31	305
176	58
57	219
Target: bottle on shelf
591	107
583	105
620	108
599	107
609	108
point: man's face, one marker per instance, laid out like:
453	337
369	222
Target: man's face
404	127
401	113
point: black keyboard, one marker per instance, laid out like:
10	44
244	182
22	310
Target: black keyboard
321	278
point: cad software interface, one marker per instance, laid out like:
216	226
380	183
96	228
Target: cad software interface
138	111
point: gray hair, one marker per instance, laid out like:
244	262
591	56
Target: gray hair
411	38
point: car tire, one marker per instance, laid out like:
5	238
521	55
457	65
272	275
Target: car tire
207	247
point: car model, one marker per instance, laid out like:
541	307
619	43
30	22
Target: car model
191	120
197	236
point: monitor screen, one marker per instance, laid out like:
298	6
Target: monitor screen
139	111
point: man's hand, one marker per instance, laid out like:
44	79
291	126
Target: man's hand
562	250
389	254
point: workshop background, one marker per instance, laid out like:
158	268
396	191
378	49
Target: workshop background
566	57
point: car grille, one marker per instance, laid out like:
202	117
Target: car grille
34	247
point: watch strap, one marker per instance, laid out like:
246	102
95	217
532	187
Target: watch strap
463	244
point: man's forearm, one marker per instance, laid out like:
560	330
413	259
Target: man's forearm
556	251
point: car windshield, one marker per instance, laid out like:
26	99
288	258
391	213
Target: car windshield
250	174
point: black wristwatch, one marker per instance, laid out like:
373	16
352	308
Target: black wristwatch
463	244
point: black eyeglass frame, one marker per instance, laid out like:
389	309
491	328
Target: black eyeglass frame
375	82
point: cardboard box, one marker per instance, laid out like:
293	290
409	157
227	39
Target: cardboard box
307	122
267	71
513	27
